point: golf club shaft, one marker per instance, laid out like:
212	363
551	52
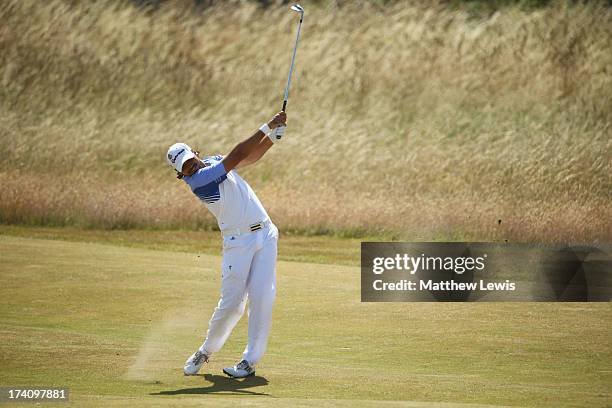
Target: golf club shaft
297	39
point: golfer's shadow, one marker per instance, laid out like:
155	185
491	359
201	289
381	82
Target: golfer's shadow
222	384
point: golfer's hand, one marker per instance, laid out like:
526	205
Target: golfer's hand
277	133
279	119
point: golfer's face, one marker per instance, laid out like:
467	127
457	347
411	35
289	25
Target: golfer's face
191	166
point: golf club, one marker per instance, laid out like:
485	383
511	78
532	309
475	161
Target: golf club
299	9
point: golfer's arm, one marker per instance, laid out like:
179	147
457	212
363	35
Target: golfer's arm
264	145
244	150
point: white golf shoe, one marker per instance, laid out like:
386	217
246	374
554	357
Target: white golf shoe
194	363
240	370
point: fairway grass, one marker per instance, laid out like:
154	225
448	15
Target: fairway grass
114	324
317	249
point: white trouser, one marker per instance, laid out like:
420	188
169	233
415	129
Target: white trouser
248	270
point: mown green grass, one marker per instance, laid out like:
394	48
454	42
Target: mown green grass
294	247
115	323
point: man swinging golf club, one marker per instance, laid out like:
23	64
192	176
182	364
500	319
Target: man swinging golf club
248	268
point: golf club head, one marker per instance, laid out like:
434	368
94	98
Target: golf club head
298	8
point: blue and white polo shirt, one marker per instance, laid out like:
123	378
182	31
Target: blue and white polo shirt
226	195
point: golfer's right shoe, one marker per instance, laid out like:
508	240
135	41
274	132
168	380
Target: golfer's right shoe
194	363
240	370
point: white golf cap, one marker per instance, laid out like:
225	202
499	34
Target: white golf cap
178	154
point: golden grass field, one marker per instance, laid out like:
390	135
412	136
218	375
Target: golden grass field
414	120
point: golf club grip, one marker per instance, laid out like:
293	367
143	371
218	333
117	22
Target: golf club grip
284	106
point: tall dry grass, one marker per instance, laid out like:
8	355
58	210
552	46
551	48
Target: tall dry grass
418	121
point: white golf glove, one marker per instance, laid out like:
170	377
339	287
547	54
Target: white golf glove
277	133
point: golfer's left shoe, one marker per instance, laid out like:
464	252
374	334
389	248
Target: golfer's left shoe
240	370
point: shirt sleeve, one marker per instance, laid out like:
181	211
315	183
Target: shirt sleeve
206	175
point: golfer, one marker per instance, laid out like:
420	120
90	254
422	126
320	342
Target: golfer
248	268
